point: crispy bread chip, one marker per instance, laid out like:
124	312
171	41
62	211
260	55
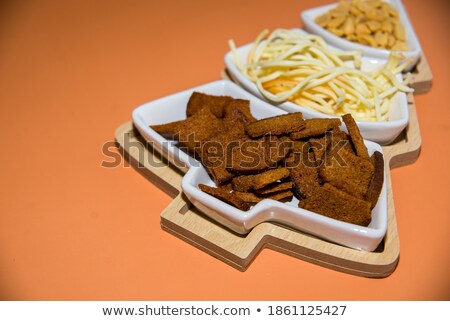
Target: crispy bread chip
376	184
168	130
355	136
315	127
347	172
216	153
255	156
278	125
226	196
237	110
304	175
246	183
199	100
197	129
253	198
275	187
339	205
336	137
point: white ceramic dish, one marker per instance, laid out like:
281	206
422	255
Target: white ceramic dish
173	107
380	132
308	18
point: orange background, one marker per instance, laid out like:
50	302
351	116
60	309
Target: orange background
72	71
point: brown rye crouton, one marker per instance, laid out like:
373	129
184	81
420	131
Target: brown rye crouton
355	136
277	125
348	172
316	127
255	156
254	198
237	110
376	184
197	129
225	196
275	187
168	130
198	101
339	205
246	183
216	151
304	176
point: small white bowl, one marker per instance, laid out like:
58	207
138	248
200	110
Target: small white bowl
173	107
382	132
308	18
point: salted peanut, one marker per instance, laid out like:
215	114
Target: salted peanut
344	5
360	19
349	26
381	39
253	198
276	125
367	40
355	136
364	17
389	10
354	10
337	32
373	25
362	29
339	13
399	32
386	26
336	22
364	6
245	183
275	187
376	184
400	45
323	20
225	196
352	37
377	15
391	41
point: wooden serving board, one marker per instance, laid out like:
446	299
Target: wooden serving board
189	224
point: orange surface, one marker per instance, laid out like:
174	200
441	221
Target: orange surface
72	71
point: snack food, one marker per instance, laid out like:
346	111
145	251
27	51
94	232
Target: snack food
200	100
287	65
278	125
322	169
246	183
373	23
339	205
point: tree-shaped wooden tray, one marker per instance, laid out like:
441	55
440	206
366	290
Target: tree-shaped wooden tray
189	224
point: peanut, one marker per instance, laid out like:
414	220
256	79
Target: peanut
371	22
